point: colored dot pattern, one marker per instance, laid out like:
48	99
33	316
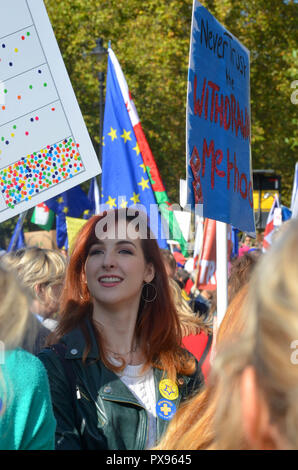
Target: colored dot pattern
35	173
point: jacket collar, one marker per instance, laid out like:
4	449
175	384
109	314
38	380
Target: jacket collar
75	343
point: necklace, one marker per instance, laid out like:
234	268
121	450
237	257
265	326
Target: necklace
123	354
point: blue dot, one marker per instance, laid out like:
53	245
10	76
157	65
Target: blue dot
10	64
3	45
7	142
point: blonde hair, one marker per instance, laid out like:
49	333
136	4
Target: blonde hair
14	309
271	309
15	318
192	428
189	322
38	266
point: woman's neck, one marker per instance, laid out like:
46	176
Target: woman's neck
118	330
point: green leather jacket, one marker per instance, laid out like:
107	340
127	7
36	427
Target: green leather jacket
98	411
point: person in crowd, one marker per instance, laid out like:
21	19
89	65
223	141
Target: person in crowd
255	375
192	428
259	373
43	272
240	271
182	276
170	262
26	415
197	336
245	246
116	367
178	255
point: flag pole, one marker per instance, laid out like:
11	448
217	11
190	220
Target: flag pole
221	280
200	255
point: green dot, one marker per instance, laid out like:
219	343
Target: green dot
2	138
30	86
45	84
28	34
14	127
5	91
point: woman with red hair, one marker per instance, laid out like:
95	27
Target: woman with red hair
116	368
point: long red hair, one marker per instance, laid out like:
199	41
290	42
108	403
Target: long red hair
157	327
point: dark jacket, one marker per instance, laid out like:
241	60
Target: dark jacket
101	413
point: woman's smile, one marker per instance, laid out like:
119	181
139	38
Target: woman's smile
109	281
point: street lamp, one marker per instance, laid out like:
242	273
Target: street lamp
99	52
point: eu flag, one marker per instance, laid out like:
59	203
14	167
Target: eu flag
125	180
71	203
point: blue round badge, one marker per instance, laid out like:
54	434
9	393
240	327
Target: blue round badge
165	409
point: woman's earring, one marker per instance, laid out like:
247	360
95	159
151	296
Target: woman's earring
149	292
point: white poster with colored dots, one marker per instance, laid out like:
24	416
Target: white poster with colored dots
45	148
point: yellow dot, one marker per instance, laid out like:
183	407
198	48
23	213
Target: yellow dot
16	50
12	135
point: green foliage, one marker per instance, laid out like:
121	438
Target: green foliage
151	41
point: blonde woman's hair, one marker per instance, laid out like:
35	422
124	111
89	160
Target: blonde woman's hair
189	322
15	322
38	266
192	427
14	309
271	330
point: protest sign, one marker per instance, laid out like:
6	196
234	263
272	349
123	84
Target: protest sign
41	238
218	123
45	148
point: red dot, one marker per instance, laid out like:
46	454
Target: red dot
27	133
19	97
53	109
37	118
23	38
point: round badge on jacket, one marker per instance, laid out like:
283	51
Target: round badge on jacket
168	389
165	409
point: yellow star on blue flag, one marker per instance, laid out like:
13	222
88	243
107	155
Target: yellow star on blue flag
124	182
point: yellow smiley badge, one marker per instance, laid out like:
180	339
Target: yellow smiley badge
168	389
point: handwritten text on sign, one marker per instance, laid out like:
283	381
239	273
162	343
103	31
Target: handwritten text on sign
218	123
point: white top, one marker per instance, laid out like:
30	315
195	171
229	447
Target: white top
143	388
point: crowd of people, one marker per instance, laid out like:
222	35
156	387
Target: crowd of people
114	347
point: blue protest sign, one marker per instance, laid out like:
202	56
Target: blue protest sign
218	124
